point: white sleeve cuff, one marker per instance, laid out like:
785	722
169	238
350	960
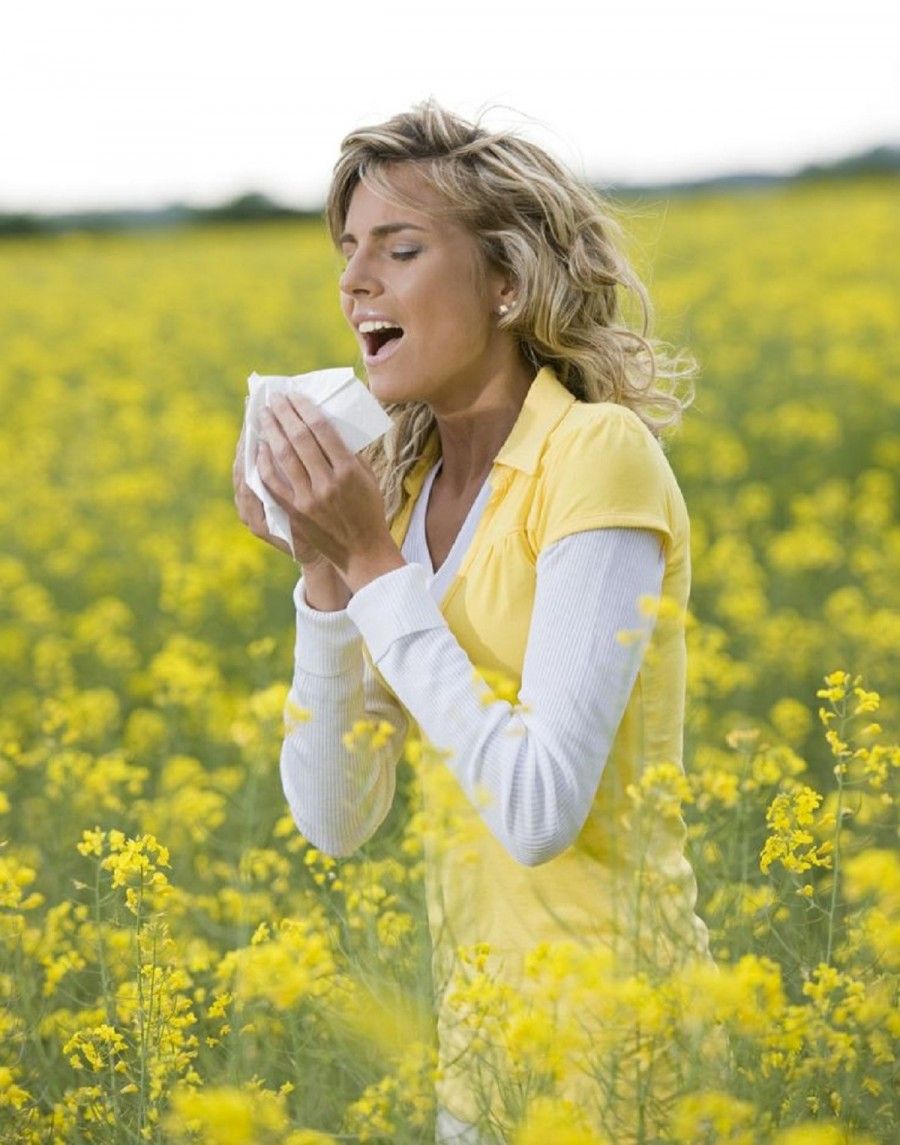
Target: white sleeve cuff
327	643
395	604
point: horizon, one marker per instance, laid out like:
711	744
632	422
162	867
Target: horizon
735	179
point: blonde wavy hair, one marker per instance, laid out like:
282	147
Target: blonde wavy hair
554	234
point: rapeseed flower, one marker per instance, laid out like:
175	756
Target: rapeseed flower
159	912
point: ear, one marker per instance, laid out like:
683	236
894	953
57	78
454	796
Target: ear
504	290
509	293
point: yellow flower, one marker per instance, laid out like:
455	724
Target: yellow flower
295	963
555	1120
661	790
12	1095
874	871
714	1117
865	701
143	659
98	1045
791	719
791	843
92	842
404	1097
497	685
14	877
368	735
742	737
227	1115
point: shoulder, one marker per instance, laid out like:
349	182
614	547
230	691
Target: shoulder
602	415
591	430
603	466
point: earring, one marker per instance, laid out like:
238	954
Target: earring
502	309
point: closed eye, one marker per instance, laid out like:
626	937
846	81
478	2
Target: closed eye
401	255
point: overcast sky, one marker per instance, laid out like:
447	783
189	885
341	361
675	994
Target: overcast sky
108	103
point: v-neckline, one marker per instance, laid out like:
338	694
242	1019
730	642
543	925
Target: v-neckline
426	501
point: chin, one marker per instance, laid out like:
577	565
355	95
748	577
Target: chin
388	388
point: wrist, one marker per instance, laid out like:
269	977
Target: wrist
323	588
369	567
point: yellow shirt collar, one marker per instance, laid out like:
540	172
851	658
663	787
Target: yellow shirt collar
545	403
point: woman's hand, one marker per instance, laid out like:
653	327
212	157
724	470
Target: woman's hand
250	510
331	496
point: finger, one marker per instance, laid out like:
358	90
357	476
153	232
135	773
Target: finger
328	439
294	445
272	475
247	499
250	510
239	474
237	469
253	516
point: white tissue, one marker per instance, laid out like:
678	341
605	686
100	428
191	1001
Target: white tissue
349	406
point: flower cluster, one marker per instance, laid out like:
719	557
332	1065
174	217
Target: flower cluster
178	963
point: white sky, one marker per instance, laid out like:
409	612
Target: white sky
108	103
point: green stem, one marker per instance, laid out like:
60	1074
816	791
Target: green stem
743	834
836	850
104	983
637	911
141	1022
101	958
639	1088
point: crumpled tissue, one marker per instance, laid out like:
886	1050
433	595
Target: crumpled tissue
348	404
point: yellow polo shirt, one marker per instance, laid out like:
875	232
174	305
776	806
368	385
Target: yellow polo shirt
566	466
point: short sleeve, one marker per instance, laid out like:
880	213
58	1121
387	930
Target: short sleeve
609	470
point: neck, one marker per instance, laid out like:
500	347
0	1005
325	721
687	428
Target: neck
472	435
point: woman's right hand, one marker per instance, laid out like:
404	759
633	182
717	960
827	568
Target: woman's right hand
251	512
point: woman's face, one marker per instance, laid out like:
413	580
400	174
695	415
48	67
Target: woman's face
421	274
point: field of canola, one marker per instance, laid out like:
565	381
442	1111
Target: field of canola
178	964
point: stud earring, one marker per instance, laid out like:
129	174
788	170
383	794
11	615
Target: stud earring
502	309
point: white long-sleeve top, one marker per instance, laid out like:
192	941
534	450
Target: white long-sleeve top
540	766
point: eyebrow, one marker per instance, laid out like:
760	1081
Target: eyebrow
384	229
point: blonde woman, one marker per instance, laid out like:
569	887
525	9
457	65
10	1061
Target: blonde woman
514	520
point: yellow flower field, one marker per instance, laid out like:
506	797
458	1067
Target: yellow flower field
178	964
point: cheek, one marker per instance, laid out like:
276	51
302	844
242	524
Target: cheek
452	331
448	314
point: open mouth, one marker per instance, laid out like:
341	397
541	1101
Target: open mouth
380	343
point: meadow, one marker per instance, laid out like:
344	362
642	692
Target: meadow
178	964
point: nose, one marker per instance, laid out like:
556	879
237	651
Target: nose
357	277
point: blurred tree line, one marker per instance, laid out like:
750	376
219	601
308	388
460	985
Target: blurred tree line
255	207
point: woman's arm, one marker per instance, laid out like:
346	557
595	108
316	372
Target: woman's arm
541	767
337	797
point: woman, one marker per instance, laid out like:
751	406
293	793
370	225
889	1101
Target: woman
514	521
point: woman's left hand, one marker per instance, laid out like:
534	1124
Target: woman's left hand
333	493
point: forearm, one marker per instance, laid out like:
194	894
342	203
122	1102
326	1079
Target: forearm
531	770
338	794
